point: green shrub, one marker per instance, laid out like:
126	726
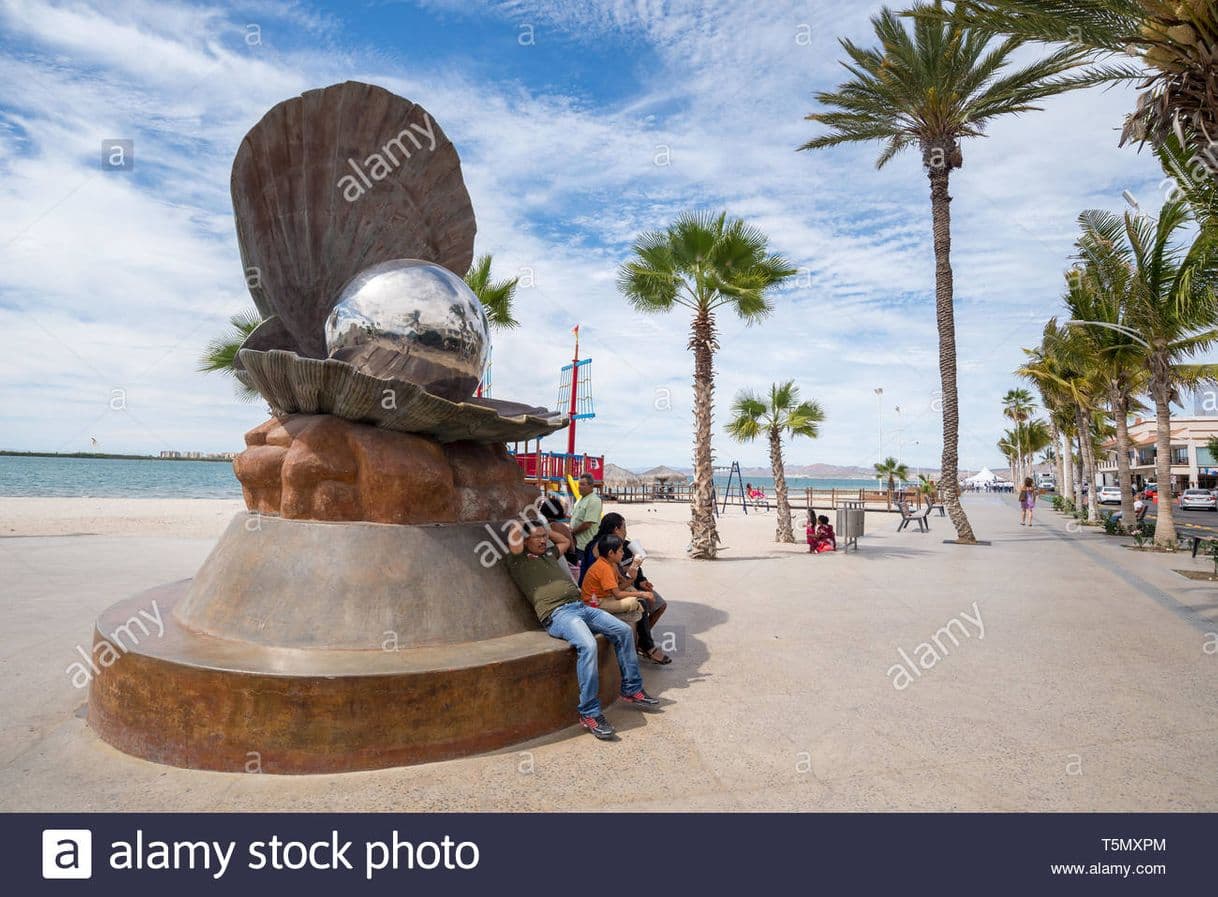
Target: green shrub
1112	524
1144	532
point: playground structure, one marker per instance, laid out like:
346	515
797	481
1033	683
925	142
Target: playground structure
549	470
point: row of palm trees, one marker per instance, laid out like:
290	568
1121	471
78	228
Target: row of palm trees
1141	302
1027	436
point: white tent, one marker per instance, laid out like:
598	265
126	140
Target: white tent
982	477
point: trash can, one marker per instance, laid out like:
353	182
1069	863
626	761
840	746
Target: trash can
850	524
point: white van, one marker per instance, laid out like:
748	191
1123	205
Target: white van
1046	482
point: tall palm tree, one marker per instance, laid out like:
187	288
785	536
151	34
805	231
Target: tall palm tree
1174	46
782	412
1172	312
703	262
221	353
930	89
892	470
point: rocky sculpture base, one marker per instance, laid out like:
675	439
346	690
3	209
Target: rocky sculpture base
321	467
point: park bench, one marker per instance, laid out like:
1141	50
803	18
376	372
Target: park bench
1196	536
908	516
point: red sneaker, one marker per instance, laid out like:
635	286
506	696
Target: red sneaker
642	700
598	726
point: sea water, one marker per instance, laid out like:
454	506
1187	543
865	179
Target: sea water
116	478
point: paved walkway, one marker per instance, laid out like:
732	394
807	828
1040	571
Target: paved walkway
1078	675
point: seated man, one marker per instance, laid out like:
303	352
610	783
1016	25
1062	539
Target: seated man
536	567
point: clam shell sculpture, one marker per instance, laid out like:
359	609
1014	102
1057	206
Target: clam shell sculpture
337	193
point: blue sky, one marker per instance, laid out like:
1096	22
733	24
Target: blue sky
579	125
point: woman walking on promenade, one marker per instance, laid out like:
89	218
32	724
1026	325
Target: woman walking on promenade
1027	502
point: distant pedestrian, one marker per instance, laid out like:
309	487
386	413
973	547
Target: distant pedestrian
1027	502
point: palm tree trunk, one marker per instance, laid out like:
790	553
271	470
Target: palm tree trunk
1057	451
1120	410
1088	459
1078	470
1165	523
704	538
1067	480
783	533
945	318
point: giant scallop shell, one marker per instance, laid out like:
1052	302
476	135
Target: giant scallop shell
332	182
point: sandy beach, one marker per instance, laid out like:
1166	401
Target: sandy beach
1089	688
183	518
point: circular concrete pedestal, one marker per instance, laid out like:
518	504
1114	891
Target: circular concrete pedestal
237	673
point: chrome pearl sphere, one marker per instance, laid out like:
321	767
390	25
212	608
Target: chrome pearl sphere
411	320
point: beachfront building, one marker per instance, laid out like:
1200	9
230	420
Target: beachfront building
1192	465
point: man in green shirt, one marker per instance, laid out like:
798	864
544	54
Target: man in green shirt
586	518
539	571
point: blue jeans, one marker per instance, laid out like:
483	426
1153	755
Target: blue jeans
579	624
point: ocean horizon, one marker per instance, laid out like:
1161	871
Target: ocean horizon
63	477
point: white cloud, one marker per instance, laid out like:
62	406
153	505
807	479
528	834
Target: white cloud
111	279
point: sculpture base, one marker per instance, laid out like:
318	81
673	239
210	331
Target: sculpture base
187	699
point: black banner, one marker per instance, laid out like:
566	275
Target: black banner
601	853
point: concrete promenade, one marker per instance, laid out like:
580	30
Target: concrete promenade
1052	670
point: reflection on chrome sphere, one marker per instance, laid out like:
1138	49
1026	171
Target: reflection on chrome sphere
415	321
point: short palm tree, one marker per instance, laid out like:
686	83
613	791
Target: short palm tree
781	412
703	262
1017	405
496	296
929	89
1063	367
892	470
1174	46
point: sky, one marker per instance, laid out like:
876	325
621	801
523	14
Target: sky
579	125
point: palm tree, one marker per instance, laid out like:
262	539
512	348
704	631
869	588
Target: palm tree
703	262
221	353
1175	45
1063	366
893	470
1017	406
1099	292
1171	315
930	89
496	296
781	413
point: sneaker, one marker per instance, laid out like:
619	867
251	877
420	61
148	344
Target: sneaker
598	726
641	699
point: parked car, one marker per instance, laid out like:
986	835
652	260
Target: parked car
1198	499
1109	495
1046	482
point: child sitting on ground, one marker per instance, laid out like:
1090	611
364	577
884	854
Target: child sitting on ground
823	538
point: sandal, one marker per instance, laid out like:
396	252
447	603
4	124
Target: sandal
650	655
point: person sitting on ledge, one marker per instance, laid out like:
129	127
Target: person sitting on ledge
605	586
536	566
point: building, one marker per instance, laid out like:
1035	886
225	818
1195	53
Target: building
1192	465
